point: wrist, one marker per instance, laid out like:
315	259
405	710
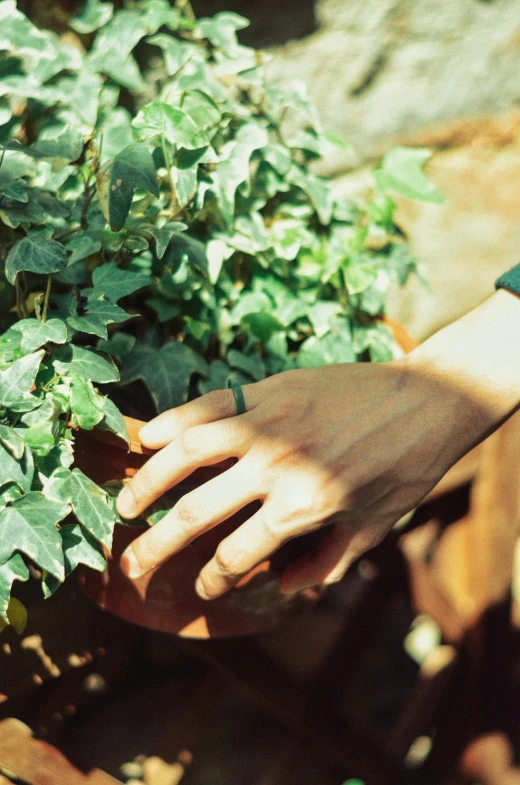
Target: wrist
478	357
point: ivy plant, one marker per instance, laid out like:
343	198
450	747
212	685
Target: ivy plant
162	222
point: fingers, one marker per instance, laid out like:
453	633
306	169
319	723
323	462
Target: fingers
328	564
216	405
201	445
194	514
250	544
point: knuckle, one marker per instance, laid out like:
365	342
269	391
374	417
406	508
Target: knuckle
147	550
219	401
190	442
275	524
228	561
187	513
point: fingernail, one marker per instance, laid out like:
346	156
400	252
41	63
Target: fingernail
201	591
126	505
129	564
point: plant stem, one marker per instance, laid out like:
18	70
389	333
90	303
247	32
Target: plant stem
185	9
20	300
47	297
174	204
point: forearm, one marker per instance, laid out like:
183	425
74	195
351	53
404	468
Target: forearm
479	355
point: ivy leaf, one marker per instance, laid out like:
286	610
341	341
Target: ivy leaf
164	234
176	53
99	313
221	30
35	255
60	149
42	426
86	404
166	372
17	381
39	540
201	108
251	364
79	547
132	168
182	246
334	347
93	365
13	570
114	283
41	511
233	170
19	471
82	245
401	171
36	333
93	16
91	505
158	119
12	441
262	325
113	420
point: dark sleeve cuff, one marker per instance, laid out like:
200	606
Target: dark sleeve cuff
510	280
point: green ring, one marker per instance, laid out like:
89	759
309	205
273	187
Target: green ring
239	396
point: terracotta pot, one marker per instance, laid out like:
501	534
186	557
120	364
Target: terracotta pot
165	599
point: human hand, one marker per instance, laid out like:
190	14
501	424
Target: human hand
351	447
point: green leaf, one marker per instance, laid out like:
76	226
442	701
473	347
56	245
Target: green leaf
86	404
233	169
40	511
166	372
91	505
158	119
401	171
17	471
61	149
182	246
17	381
79	547
35	255
250	364
114	283
12	441
113	420
13	570
176	53
164	234
38	539
201	108
99	313
17	615
95	14
132	168
262	325
36	334
76	361
221	30
81	246
334	347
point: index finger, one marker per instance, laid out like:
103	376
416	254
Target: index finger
215	405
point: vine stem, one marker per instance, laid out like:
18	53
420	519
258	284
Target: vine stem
174	203
185	9
47	298
20	301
